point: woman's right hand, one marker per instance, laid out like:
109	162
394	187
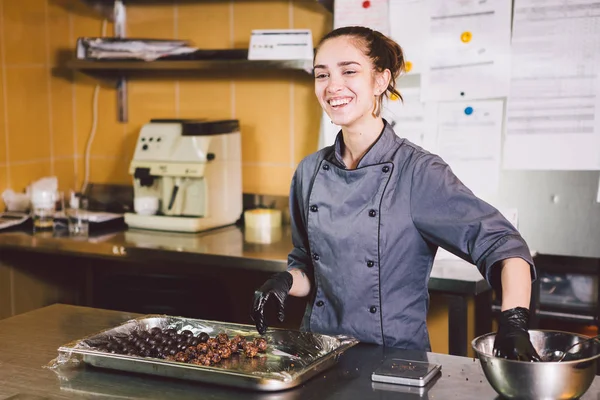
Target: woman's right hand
278	286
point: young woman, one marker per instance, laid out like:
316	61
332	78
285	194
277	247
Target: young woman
369	213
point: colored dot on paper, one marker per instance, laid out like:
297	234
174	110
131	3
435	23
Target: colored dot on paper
366	4
466	37
469	110
408	66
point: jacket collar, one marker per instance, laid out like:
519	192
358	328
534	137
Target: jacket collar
375	154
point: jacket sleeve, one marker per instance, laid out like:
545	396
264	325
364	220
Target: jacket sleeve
299	257
449	215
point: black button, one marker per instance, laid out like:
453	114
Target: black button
314	208
145	147
370	263
373	309
372	213
326	167
315	257
385	169
158	139
320	303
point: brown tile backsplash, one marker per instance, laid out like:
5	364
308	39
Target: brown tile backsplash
49	113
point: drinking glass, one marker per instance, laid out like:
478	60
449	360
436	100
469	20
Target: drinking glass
77	215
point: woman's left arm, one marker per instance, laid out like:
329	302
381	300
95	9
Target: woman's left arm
516	283
449	215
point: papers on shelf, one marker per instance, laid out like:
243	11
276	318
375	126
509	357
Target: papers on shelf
142	49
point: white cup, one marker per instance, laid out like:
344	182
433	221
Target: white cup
145	205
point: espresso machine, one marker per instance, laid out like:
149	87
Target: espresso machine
191	171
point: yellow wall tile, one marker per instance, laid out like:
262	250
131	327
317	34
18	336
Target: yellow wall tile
61	107
3	183
263	108
307	118
86	21
267	179
105	170
3	137
24	31
64	169
258	15
60	43
205	98
312	15
28	115
109	131
150	99
155	21
205	24
22	174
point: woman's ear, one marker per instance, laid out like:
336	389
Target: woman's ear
382	80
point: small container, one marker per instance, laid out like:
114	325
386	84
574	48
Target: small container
262	225
43	208
77	216
146	205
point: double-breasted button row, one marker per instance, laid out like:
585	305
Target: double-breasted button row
320	303
316	257
372	213
326	167
385	169
370	264
314	208
373	309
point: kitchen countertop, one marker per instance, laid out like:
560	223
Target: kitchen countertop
30	341
226	247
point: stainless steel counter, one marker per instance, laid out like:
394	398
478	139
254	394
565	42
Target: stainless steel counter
29	341
225	247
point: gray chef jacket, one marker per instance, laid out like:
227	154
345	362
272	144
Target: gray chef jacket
367	238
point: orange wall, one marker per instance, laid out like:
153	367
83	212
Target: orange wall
45	118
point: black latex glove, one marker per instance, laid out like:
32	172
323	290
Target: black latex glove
278	286
512	339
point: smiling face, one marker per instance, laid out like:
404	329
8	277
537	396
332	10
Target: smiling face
346	84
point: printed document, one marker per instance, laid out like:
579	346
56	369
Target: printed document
468	53
553	110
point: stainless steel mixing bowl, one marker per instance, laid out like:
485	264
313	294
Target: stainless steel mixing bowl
567	379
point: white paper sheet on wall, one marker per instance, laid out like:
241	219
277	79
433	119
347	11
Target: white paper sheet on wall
409	27
553	111
468	54
408	117
371	13
469	139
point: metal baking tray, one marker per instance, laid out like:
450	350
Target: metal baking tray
292	357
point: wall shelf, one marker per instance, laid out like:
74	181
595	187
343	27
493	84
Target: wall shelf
115	11
130	68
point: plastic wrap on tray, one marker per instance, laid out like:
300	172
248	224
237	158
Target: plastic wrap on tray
290	357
